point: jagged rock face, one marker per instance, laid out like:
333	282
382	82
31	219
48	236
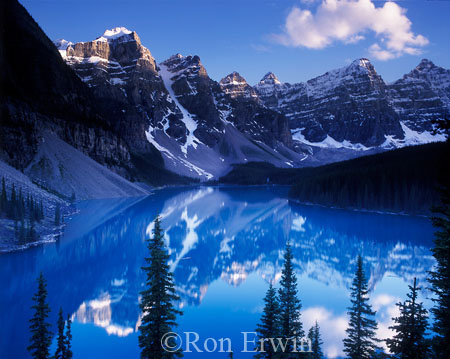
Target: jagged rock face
174	104
235	86
261	124
353	106
348	104
190	83
124	76
45	94
268	90
421	96
250	116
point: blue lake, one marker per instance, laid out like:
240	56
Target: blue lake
226	245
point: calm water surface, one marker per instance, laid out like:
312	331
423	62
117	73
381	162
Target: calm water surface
226	245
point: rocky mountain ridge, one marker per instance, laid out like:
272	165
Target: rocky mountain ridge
147	120
353	107
175	106
333	116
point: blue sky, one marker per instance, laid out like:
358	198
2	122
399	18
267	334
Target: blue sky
295	39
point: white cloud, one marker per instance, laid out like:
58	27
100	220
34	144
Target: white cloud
382	300
347	21
332	328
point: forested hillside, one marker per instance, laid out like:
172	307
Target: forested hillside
403	180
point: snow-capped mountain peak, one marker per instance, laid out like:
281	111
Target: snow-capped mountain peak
422	94
270	78
236	86
62	44
362	62
233	79
114	34
425	64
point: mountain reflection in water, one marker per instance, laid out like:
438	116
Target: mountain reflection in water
226	245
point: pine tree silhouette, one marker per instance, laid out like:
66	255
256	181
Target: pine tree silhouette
41	336
57	215
68	347
269	326
361	341
3	197
290	305
440	276
61	340
159	312
316	342
410	327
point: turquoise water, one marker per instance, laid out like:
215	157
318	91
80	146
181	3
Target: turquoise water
226	244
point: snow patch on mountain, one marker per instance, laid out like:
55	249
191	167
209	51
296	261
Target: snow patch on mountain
177	161
62	44
113	34
413	138
188	120
328	142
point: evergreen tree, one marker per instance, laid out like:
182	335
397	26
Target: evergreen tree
12	203
440	276
68	346
290	325
269	327
20	205
159	312
316	342
31	236
16	229
22	231
360	342
61	340
3	197
57	215
41	337
410	326
32	210
41	211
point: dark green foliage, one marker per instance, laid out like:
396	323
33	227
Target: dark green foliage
254	173
269	326
409	342
57	215
12	212
61	340
360	342
41	337
440	276
316	342
31	235
159	312
22	231
41	211
68	345
24	212
3	197
402	180
290	305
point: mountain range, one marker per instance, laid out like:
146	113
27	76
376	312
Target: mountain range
349	108
169	122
